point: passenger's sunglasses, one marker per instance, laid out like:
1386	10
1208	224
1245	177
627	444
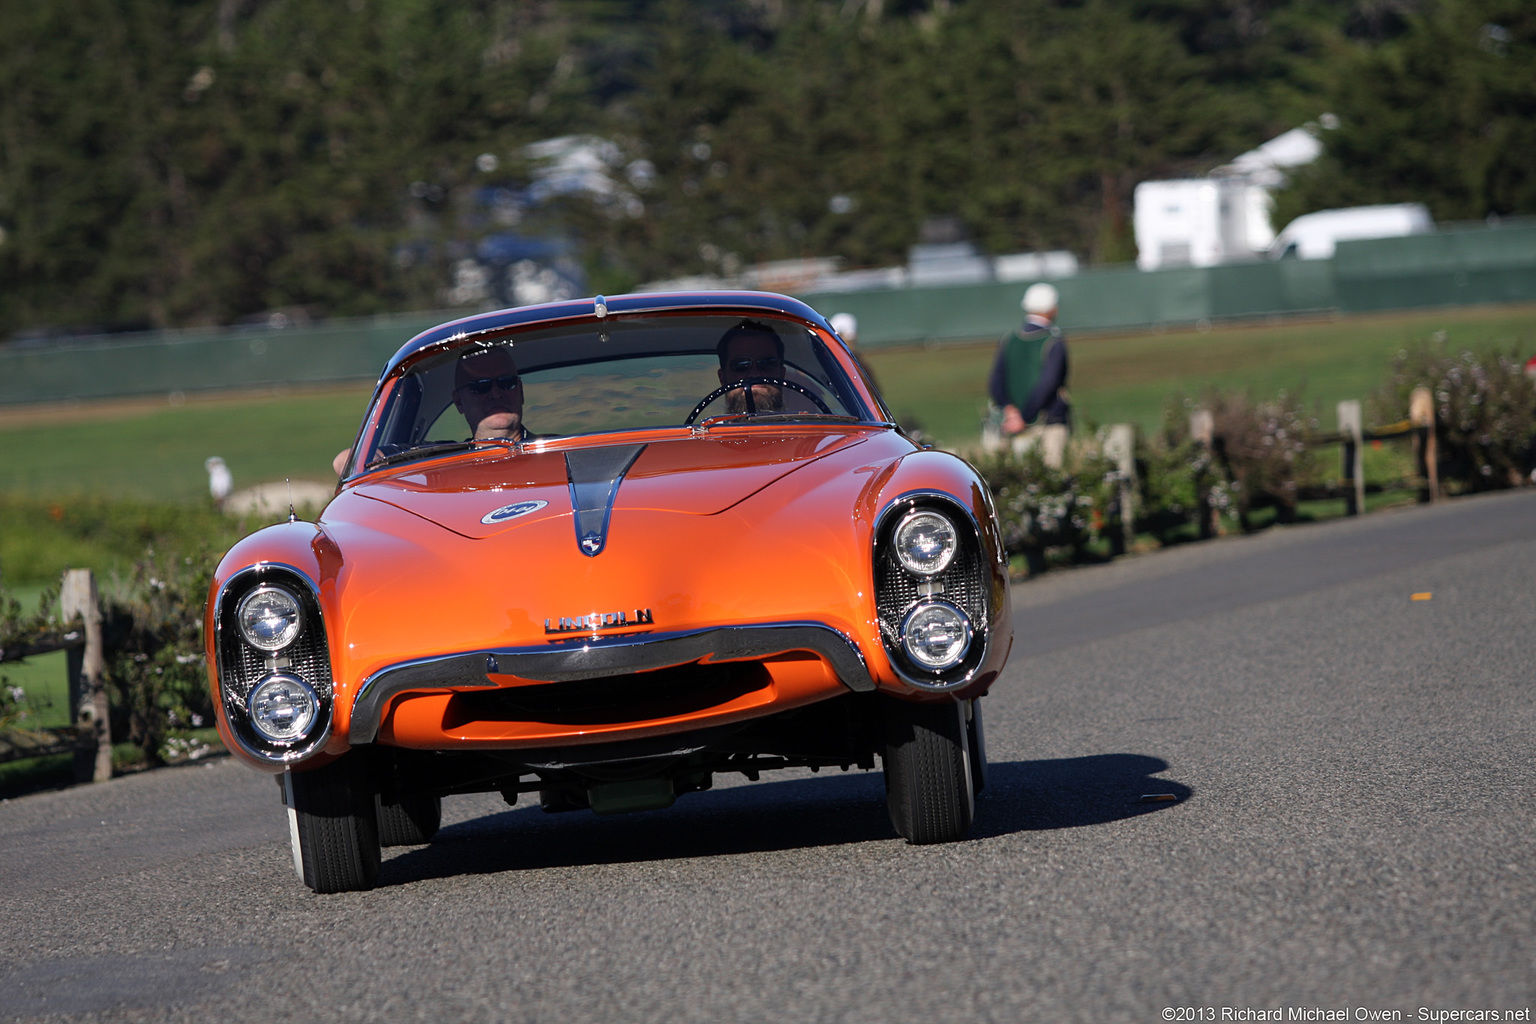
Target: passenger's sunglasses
765	363
484	384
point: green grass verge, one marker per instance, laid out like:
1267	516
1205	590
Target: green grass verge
41	537
45	678
35	774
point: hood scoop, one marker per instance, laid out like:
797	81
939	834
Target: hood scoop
594	475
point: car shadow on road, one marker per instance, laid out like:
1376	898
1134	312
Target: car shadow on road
801	813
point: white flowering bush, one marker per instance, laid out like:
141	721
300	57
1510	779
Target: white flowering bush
1040	508
1182	482
1485	411
13	705
1262	448
152	629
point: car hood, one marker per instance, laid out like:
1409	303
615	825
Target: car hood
501	490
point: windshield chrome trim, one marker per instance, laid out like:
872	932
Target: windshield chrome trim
501	321
592	657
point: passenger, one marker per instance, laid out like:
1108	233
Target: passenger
748	350
488	390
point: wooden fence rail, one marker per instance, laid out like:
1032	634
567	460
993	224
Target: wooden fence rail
89	734
1351	436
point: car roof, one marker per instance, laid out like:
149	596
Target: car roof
501	321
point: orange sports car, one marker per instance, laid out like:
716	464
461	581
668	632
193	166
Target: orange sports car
602	550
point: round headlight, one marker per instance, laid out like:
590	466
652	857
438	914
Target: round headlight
269	618
283	707
925	543
936	635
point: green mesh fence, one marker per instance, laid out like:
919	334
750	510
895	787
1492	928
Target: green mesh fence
1449	267
170	361
1100	298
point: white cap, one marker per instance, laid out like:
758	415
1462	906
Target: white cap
846	325
1040	299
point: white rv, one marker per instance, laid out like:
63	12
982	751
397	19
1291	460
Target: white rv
1312	236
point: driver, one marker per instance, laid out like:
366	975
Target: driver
489	392
752	349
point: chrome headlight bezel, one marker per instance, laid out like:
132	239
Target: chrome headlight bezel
242	666
308	715
914	537
966	582
289	632
960	621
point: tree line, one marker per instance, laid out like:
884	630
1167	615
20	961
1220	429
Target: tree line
190	162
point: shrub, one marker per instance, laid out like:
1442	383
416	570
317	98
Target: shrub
1182	484
1485	411
20	629
1039	507
1262	446
152	632
153	563
40	538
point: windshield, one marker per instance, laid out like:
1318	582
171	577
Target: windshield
635	373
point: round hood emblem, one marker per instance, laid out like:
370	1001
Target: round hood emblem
512	511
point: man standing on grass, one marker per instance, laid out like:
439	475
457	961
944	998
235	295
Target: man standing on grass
1029	379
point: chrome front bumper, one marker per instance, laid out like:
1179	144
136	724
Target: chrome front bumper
595	657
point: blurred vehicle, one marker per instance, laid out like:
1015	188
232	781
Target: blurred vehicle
699	559
1313	236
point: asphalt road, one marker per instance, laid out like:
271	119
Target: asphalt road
1355	784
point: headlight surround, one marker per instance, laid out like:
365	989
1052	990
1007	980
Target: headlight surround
925	543
283	708
270	617
936	635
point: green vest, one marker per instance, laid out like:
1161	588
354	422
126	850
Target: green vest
1023	357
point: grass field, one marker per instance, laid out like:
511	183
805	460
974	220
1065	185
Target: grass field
149	449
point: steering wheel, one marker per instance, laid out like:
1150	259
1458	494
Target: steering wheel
748	383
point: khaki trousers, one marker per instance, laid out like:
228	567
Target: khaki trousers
1051	439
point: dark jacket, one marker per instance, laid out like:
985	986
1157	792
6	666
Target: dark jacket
1030	372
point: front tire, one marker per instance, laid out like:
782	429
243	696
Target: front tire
976	738
929	789
333	829
410	821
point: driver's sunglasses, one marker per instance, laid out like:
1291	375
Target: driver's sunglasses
484	384
765	363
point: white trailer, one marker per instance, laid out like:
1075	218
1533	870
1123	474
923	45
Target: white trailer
1313	236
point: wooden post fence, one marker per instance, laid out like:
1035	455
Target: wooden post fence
89	734
1352	430
1351	437
88	710
1421	413
1120	445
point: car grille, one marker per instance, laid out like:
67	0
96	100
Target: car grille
963	585
308	657
636	697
